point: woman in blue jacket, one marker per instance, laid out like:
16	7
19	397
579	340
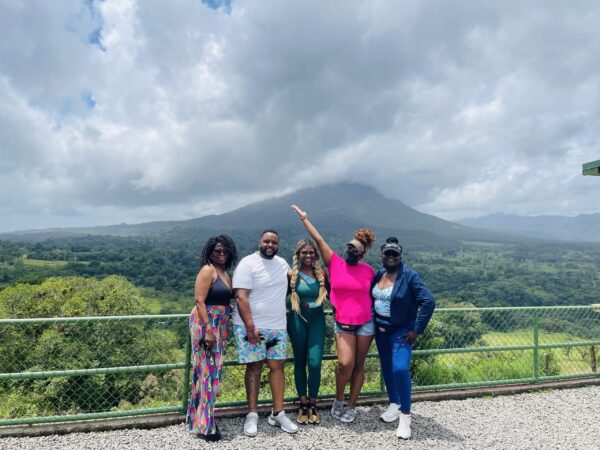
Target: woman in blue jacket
403	307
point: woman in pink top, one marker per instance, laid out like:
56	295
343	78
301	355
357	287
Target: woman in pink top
350	281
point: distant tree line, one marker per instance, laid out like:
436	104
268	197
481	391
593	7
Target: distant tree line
481	274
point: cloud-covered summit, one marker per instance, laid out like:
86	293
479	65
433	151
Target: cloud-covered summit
143	110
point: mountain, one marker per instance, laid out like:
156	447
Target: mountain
335	208
341	207
584	227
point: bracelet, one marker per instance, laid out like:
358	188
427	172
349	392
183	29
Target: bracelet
250	328
302	219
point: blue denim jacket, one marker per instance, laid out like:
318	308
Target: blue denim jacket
410	299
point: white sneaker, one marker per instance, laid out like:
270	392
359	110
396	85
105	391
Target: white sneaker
403	430
349	415
337	409
251	424
391	414
282	421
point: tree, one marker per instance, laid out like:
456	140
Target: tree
80	345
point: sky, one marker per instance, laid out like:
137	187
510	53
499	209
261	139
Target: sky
133	111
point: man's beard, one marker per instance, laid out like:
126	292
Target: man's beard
264	255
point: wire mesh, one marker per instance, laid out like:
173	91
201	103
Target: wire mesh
73	367
55	368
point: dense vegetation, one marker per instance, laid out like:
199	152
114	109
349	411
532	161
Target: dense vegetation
483	274
33	347
488	274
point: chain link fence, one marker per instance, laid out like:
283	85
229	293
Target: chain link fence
61	369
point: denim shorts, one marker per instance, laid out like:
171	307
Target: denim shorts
272	346
366	329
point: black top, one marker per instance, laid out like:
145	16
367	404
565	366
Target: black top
219	294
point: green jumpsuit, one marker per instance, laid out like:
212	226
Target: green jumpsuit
307	337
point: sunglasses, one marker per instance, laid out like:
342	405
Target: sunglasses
352	249
390	254
221	251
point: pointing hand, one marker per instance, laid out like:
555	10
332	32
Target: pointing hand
301	214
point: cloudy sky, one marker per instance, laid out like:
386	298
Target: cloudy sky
129	111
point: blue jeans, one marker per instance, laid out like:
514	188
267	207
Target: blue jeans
394	355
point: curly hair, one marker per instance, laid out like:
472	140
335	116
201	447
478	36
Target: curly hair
366	237
227	244
316	265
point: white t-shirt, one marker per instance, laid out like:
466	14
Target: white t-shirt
268	282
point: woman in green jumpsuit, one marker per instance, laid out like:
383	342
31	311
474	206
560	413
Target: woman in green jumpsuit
306	326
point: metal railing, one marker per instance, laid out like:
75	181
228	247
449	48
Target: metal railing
66	369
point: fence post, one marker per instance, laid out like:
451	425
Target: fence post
186	371
593	358
536	349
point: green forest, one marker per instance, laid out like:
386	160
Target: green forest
483	274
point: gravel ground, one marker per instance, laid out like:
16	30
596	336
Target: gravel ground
543	420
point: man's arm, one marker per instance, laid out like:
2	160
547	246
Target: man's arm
242	298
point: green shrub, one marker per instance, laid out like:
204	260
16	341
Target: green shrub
82	345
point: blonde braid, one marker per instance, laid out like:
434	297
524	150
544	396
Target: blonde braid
295	300
321	279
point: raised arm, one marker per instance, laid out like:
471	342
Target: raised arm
325	250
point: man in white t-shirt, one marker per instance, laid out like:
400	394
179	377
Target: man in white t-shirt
260	282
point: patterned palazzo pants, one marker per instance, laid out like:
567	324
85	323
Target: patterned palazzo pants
206	368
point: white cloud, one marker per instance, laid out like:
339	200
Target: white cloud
457	109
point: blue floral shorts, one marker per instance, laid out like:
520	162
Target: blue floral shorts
272	345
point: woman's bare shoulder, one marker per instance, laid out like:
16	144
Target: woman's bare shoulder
208	272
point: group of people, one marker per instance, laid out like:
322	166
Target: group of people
391	305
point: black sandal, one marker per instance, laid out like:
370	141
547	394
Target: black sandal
313	416
212	437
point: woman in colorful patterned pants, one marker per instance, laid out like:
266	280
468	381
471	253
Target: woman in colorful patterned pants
209	330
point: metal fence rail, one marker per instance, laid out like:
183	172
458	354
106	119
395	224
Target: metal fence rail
66	369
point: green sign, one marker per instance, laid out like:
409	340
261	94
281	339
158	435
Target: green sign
591	168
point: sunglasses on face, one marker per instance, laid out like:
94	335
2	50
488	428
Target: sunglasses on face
389	254
221	251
